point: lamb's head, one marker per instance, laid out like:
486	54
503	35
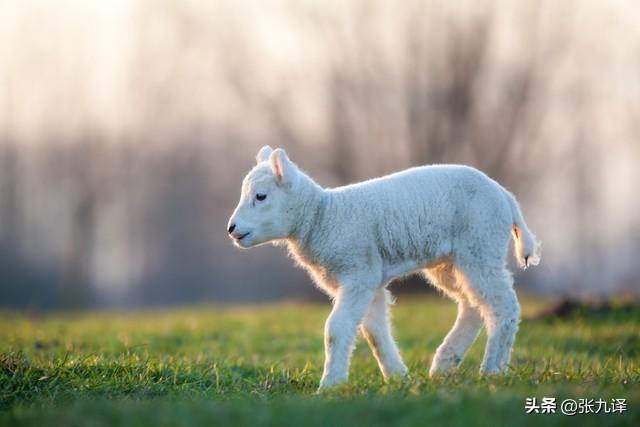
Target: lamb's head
266	211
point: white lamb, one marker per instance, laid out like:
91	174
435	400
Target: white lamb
451	222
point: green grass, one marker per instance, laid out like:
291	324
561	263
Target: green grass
260	365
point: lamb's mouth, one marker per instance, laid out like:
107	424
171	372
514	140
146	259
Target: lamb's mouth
242	236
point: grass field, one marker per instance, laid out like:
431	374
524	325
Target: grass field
260	365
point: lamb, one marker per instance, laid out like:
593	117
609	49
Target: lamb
450	222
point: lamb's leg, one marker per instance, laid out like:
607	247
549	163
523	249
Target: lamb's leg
458	340
499	307
502	317
468	323
350	306
377	331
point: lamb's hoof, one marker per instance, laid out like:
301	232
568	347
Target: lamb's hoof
443	369
397	376
439	373
445	362
329	384
490	372
400	373
325	389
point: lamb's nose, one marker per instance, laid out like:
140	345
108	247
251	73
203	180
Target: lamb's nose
231	228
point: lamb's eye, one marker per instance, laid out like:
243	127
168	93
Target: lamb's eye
260	197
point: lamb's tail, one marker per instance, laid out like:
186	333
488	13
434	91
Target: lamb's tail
527	247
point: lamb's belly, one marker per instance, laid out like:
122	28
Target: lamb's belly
409	259
391	271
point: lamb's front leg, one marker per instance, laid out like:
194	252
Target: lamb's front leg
351	304
377	331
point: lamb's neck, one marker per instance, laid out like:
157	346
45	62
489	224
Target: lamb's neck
310	211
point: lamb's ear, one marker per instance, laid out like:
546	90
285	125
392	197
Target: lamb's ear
264	154
282	167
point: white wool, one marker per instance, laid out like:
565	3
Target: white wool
451	222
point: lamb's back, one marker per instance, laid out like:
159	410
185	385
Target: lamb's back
415	189
418	212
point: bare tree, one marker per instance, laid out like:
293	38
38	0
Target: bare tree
10	196
446	92
87	189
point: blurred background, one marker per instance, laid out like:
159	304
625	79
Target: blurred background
126	127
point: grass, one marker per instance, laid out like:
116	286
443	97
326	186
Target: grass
260	365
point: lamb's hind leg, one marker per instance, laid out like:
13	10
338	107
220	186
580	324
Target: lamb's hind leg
466	327
492	291
377	331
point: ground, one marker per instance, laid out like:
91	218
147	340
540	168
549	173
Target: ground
260	365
